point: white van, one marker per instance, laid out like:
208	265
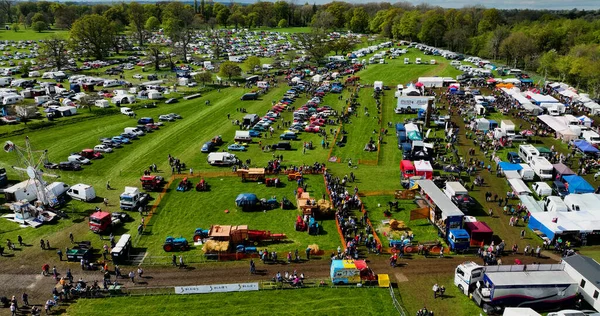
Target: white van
591	137
542	167
527	152
418	61
102	103
41	99
33	74
432	62
554	204
111	83
242	136
406	60
57	188
134	130
5	81
78	159
127	111
455	63
542	189
221	159
526	172
82	192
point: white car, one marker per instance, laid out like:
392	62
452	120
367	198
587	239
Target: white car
102	148
166	117
138	76
78	159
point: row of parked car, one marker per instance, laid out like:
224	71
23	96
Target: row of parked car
108	144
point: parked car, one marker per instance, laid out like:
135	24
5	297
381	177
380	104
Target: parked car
79	159
50	165
236	147
208	147
68	165
171	101
138	76
175	115
513	157
166	117
110	143
90	154
103	148
121	140
146	120
282	146
129	136
288	136
559	188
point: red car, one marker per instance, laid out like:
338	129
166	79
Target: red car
152	126
90	154
317	121
312	128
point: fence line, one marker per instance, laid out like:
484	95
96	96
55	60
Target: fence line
396	304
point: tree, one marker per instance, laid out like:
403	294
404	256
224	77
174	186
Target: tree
230	69
86	101
152	24
518	47
137	16
498	35
315	45
64	15
252	63
322	21
203	77
54	51
282	23
337	10
15	27
8	7
223	15
180	26
39	26
490	19
433	28
38	17
408	27
156	55
93	34
360	21
236	19
343	45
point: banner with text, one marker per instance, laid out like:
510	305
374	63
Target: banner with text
216	288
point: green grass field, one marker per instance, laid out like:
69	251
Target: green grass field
321	301
29	34
180	213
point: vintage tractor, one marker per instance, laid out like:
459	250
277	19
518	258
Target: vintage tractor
270	204
272	182
286	204
202	185
200	234
152	183
184	185
300	224
175	244
313	227
295	176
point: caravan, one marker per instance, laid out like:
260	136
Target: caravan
527	152
542	167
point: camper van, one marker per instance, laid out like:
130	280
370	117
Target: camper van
554	204
242	136
111	83
527	152
406	60
82	192
221	159
134	130
101	103
542	167
418	61
526	172
127	111
591	137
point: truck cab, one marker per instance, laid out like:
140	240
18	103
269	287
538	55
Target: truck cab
459	240
131	198
466	276
100	222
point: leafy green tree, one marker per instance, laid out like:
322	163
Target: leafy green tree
39	26
93	35
252	63
490	19
337	10
54	51
155	53
223	15
137	17
282	23
15	27
323	21
152	24
433	28
360	20
38	17
203	77
408	26
230	69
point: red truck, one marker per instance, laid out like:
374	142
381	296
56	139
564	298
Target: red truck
100	222
152	183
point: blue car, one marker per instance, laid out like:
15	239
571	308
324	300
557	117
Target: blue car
121	139
288	136
236	147
254	133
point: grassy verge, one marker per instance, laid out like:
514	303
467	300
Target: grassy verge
321	301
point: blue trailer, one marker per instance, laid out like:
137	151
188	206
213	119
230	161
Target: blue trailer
458	240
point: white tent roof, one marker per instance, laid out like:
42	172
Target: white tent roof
423	165
541	98
317	78
521	99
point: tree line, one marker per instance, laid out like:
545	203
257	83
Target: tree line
559	44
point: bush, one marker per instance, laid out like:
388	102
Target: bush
39	26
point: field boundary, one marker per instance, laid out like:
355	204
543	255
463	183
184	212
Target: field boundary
395	302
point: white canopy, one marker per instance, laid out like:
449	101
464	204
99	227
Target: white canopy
317	78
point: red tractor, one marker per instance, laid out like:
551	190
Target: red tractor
152	183
202	185
300	224
272	182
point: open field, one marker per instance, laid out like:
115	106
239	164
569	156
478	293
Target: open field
29	34
324	301
180	213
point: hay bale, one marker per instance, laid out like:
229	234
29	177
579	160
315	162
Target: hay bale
398	225
325	207
215	246
314	249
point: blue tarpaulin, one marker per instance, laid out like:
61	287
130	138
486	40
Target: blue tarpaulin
577	184
585	147
246	199
507	166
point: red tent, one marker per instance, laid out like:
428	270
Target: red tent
479	232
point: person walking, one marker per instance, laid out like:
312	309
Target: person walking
60	254
181	262
442	291
522	233
20	240
252	267
71	238
308	253
174	260
435	291
140	272
25	299
132	276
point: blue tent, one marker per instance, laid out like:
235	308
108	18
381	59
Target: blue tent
585	147
507	166
246	199
577	184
